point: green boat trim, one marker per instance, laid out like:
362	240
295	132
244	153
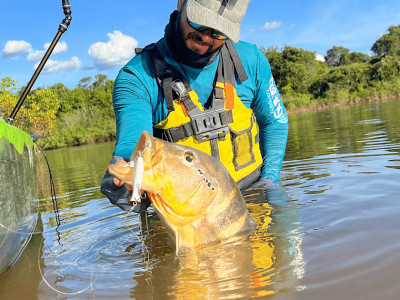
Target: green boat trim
15	136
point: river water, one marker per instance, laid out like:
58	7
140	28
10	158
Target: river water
332	231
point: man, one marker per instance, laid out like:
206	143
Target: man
199	86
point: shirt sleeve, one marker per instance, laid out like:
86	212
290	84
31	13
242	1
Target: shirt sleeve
271	118
133	110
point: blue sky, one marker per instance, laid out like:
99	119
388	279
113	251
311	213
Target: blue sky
103	33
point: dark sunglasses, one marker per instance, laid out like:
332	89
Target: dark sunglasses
215	33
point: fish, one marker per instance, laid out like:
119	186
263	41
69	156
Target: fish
192	192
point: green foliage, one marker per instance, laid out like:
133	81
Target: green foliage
81	127
350	78
388	44
62	116
38	113
8	98
354	57
340	56
294	69
334	55
87	114
388	68
297	101
344	76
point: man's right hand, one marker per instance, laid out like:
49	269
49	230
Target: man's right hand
119	161
115	189
119	193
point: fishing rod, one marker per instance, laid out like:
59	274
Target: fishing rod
61	29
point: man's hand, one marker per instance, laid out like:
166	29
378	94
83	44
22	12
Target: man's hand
119	192
115	189
119	161
263	184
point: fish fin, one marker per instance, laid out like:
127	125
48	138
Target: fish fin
206	233
123	172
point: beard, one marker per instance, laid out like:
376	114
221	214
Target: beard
178	43
194	36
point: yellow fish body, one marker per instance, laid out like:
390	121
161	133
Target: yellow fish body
193	194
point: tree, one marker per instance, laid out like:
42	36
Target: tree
62	92
386	69
388	44
354	57
294	69
38	113
334	55
347	79
85	82
8	97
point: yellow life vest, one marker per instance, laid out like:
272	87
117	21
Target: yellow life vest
227	130
237	141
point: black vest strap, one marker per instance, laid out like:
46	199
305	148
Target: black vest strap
227	66
168	94
165	75
239	69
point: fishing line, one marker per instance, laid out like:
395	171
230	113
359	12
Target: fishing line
147	263
145	250
136	198
53	288
53	194
40	269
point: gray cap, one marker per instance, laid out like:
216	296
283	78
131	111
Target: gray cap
222	15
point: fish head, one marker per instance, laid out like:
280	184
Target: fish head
181	181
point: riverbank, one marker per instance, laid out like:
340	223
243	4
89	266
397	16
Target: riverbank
106	133
332	105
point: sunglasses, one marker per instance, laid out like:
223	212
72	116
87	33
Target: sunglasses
215	33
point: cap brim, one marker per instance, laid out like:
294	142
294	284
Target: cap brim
199	14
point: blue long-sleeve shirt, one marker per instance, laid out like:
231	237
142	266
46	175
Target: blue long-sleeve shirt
139	104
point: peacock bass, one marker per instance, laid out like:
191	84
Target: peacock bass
193	194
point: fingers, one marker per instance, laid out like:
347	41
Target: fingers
118	182
128	186
119	162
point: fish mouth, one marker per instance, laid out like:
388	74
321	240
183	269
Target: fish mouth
146	147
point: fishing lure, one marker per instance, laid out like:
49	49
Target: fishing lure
137	178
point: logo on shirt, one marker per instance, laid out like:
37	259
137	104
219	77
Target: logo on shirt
278	109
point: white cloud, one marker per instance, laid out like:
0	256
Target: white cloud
272	25
319	57
116	52
36	55
53	66
14	48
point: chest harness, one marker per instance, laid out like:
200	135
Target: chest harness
225	128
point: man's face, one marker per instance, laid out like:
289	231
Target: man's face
199	42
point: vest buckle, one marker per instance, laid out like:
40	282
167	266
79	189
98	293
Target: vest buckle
209	125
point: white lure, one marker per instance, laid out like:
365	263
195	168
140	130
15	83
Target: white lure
137	179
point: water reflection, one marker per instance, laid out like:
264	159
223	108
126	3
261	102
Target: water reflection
23	279
325	234
345	130
254	265
98	252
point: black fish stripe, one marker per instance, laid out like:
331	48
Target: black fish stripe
232	211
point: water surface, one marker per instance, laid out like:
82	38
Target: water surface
331	231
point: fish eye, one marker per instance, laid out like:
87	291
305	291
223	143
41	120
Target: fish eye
189	156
